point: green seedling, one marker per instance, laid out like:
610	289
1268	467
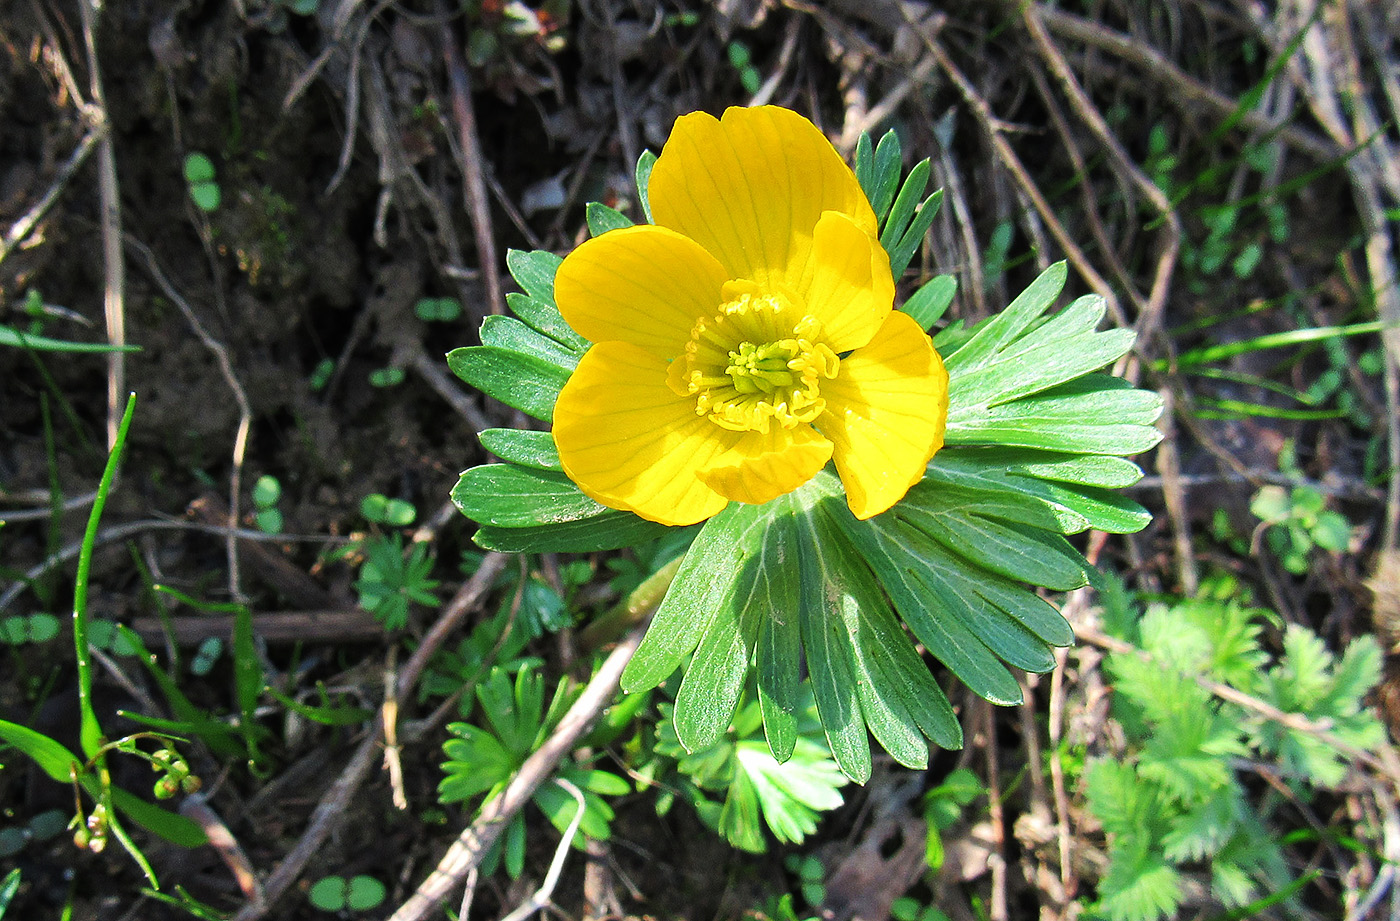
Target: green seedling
810	876
788	796
741	59
19	629
206	656
386	377
943	807
911	909
482	759
336	893
90	774
43	827
204	190
267	492
1296	520
321	374
391	580
438	309
1174	804
107	636
394	513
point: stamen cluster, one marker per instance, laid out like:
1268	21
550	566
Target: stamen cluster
751	365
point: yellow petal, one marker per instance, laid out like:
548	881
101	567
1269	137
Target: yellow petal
851	291
631	443
762	467
886	411
644	285
750	189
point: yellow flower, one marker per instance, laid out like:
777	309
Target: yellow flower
747	337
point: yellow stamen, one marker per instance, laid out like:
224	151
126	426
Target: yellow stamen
758	361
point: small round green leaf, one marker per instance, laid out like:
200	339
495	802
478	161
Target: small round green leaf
380	509
12	841
266	491
206	195
365	892
206	656
44	627
321	374
269	521
329	894
198	168
386	377
438	309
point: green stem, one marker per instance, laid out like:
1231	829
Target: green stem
642	603
91	729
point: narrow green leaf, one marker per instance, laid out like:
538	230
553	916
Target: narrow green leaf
507	496
1035	613
509	334
1018	372
247	679
776	595
991	335
13	337
898	565
1076	469
608	531
544	317
52	756
908	244
712	684
172	827
959	585
706	577
830	654
931	301
333	715
520	446
529	384
601	218
643	174
1103	509
1075	507
905	204
865	163
1016	552
534	271
962	469
1274	341
939	496
884	175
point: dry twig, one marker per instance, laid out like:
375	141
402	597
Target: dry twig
114	267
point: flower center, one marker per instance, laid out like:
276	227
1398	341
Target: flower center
752	365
